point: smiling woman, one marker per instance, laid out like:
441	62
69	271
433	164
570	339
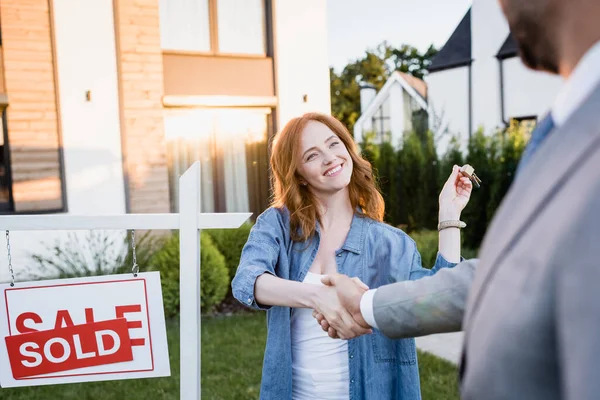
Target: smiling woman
305	155
326	217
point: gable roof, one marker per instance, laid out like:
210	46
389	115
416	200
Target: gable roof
509	48
457	50
382	95
418	84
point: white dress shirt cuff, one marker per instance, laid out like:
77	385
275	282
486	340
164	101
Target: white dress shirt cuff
366	307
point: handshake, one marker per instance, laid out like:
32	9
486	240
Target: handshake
337	307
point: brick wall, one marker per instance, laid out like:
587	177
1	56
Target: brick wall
33	127
141	88
2	88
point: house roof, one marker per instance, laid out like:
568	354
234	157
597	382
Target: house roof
406	81
509	48
457	50
418	84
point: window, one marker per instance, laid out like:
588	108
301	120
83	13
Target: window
31	178
416	118
6	202
184	25
381	123
231	145
525	124
214	26
241	26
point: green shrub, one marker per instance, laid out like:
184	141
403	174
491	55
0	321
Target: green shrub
452	157
387	175
410	166
214	274
468	253
369	150
506	153
430	181
427	244
230	243
476	212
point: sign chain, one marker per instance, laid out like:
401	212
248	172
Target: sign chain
10	267
135	268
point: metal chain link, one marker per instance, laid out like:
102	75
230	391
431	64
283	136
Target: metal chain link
135	268
10	267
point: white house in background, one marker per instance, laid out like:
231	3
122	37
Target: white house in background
389	113
478	81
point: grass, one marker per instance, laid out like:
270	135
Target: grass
232	350
439	378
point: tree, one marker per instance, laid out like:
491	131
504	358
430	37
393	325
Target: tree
452	157
369	150
375	67
387	174
409	60
430	181
412	190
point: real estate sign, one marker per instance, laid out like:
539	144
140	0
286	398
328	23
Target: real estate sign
83	329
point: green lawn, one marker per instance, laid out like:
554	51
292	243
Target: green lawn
232	350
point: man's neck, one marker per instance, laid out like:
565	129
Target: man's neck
580	33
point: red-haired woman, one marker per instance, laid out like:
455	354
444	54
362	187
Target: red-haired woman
326	217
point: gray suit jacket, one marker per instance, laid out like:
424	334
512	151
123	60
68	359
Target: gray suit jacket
528	306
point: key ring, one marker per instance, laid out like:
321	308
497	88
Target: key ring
469	172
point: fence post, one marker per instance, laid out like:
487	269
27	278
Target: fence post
189	285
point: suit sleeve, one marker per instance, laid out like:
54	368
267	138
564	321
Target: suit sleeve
577	307
432	304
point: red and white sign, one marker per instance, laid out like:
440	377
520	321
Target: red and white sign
83	329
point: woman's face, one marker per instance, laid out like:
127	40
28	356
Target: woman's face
325	164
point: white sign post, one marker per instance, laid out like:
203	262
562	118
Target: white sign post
189	221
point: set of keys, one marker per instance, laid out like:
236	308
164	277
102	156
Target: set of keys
469	172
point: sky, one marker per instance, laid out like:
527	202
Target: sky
356	25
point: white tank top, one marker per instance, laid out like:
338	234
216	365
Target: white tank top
319	363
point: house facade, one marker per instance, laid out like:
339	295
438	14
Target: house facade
105	103
478	81
399	107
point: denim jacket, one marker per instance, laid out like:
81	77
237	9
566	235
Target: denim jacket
379	368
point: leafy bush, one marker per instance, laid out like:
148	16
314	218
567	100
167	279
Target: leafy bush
476	212
427	244
230	243
429	179
412	176
469	254
452	157
412	191
387	169
214	277
505	155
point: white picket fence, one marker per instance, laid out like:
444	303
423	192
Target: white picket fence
190	222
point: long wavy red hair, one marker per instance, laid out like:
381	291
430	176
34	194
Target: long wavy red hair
300	202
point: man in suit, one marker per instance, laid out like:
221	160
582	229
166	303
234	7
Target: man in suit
528	306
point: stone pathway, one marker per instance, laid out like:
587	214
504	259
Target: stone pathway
444	345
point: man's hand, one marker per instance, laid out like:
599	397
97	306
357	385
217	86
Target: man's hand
349	292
